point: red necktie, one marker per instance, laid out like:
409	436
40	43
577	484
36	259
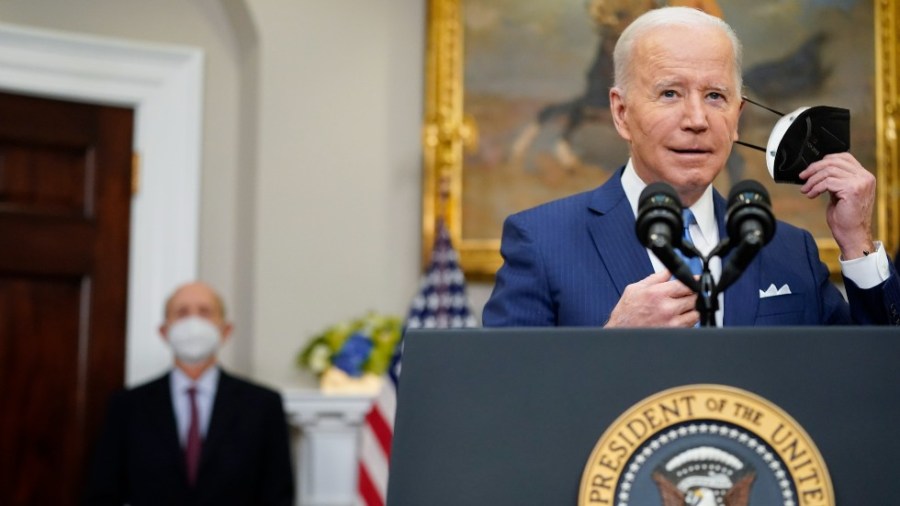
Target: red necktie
192	448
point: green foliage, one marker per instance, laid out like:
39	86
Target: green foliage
383	331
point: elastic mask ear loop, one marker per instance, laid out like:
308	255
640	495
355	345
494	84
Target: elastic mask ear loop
754	146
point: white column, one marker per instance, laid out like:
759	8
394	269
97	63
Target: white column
325	444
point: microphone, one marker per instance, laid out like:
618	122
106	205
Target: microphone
659	226
659	216
750	224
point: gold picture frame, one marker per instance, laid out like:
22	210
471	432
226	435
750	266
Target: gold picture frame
449	132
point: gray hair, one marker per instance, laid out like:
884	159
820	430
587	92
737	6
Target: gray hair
670	16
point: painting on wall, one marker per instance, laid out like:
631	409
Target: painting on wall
534	76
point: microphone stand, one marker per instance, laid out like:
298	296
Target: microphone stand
657	219
706	289
707	297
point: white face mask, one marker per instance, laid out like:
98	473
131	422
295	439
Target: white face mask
194	339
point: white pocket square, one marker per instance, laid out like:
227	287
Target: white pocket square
772	291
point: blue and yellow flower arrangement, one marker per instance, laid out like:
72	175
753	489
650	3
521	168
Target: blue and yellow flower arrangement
358	347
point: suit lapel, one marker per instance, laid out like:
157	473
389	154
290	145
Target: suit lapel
612	231
741	298
223	414
161	415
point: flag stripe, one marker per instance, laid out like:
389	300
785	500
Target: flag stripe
375	461
367	492
373	464
380	429
440	303
386	402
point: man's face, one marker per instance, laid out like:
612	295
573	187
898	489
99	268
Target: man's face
680	111
195	299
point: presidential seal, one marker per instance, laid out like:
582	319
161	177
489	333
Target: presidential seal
705	445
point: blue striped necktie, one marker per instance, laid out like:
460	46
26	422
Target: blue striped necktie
694	263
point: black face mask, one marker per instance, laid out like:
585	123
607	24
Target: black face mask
803	137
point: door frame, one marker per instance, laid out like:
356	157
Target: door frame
164	86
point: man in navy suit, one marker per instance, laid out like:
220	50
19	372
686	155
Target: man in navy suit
197	435
676	101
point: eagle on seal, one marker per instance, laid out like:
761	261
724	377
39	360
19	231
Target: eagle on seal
704	476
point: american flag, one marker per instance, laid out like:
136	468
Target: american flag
441	302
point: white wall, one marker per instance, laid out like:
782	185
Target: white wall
339	168
311	196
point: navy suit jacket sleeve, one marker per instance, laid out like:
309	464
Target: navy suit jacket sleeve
566	263
891	291
521	296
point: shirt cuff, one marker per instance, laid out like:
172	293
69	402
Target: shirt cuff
867	271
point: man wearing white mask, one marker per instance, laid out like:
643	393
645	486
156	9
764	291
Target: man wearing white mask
196	435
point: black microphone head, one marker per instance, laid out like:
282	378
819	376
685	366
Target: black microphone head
749	200
659	204
748	187
658	190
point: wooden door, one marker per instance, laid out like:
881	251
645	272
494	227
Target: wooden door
65	195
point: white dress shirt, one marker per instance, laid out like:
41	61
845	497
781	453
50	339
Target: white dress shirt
206	387
704	233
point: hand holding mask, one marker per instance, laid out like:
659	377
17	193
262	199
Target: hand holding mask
802	137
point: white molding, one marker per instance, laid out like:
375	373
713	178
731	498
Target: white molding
326	448
164	85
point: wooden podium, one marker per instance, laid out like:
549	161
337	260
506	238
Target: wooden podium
511	416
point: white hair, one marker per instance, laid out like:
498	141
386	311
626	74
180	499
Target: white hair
669	16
